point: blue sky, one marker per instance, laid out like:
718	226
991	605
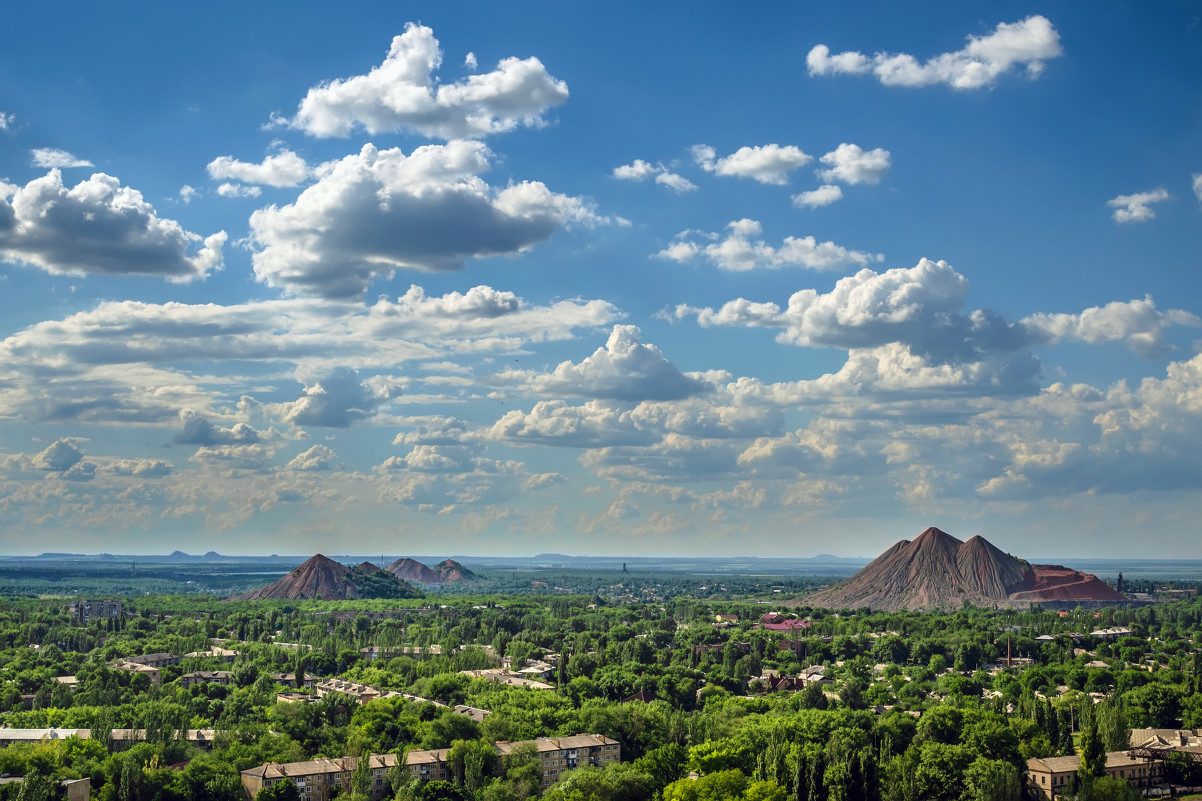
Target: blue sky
614	279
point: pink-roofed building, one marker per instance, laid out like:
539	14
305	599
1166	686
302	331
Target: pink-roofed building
775	621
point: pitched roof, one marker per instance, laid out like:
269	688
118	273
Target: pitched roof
1068	764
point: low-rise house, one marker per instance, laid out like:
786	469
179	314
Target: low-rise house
77	789
472	712
558	755
775	621
537	670
29	736
508	677
222	677
417	699
786	625
1052	777
216	652
294	698
289	680
157	660
320	779
153	673
1165	738
74	789
292	646
361	692
123	739
773	682
814	674
70	682
375	652
795	646
428	765
418	652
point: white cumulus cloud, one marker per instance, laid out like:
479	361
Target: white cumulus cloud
851	164
316	459
198	430
1137	323
1137	207
403	94
921	307
58	456
640	170
238	190
768	164
741	249
50	157
377	211
1024	44
624	369
6	120
283	169
336	400
822	196
99	226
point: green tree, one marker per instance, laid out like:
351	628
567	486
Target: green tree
664	765
764	790
522	770
940	770
444	791
1112	724
720	755
1093	750
448	727
361	776
621	782
991	780
812	697
280	791
471	762
36	786
720	786
941	724
1109	789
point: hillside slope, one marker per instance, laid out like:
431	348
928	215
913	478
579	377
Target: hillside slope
450	570
321	578
938	571
408	569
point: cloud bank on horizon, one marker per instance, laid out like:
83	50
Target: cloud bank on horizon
455	303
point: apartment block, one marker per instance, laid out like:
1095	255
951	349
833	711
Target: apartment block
320	779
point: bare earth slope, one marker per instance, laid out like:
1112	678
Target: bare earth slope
321	578
450	570
1058	583
412	570
938	571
